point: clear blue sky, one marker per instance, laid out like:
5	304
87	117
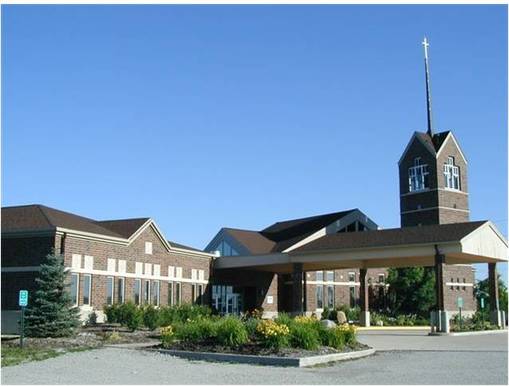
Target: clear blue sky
210	116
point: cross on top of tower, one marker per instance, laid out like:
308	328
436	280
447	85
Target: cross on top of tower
426	45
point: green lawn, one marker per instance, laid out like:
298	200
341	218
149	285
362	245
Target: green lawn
14	355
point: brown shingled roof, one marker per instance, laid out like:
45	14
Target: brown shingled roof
182	246
255	242
389	237
40	218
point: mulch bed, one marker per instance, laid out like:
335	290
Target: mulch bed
253	348
88	337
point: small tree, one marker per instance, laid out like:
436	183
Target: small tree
51	312
481	290
412	290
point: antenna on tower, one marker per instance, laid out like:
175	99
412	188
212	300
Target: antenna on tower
430	131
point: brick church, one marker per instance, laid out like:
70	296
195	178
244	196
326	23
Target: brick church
302	265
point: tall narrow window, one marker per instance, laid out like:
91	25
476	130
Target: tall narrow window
193	293
319	296
381	278
351	276
137	291
451	174
170	293
155	293
75	281
330	296
87	289
146	292
352	297
120	290
200	293
330	275
109	290
418	176
178	294
319	275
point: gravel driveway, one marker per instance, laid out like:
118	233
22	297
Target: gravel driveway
469	360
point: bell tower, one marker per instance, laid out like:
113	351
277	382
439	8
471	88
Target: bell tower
432	173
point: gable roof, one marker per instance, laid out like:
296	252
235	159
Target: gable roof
126	227
438	233
432	144
42	218
253	241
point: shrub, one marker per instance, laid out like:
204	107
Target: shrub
191	312
231	332
195	330
304	335
111	313
325	313
348	333
353	313
284	318
251	325
273	334
92	319
332	337
130	316
167	336
150	317
112	337
305	320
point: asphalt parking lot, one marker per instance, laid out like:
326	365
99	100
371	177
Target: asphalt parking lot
403	357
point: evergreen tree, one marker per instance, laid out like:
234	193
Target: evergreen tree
482	290
412	290
51	312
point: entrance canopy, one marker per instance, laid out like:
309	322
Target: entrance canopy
460	243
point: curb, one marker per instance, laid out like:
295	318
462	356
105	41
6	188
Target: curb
268	360
468	333
394	328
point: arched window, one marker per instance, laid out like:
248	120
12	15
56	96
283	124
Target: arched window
451	174
418	176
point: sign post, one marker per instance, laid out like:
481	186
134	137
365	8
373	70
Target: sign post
23	302
459	302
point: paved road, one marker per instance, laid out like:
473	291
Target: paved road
419	359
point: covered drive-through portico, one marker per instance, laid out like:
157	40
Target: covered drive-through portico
430	245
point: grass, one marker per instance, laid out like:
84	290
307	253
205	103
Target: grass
12	356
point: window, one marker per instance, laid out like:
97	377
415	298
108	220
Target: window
352	297
451	174
351	276
226	250
193	293
75	280
381	278
330	296
155	293
109	290
146	292
418	176
87	288
319	296
148	247
319	275
178	294
170	293
200	293
330	275
120	290
137	291
464	287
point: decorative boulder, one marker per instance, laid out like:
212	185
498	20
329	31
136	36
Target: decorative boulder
328	323
341	317
380	323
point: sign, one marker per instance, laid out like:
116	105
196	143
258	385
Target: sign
270	299
482	302
23	298
459	302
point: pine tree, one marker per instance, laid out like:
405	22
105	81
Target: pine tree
51	313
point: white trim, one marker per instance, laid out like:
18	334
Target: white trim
451	135
460	284
339	283
28	268
433	208
432	190
134	275
320	233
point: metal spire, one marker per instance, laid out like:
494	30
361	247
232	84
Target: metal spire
430	130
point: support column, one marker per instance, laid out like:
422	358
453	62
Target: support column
364	299
297	298
496	317
440	317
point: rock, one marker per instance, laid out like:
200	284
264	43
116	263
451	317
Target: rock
380	323
328	323
341	317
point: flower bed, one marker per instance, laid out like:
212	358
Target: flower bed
283	336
